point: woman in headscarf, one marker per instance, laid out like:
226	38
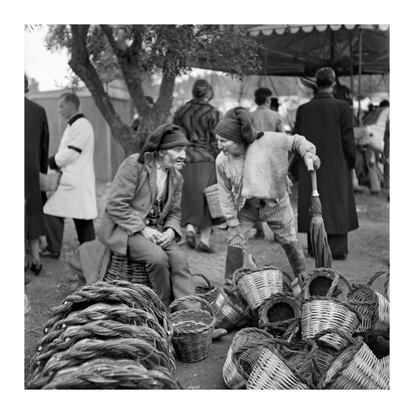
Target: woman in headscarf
198	119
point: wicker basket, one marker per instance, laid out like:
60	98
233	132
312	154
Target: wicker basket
279	312
272	371
100	329
375	282
213	201
321	313
106	373
230	309
326	282
206	291
122	268
192	322
372	307
356	367
116	292
257	285
242	355
144	351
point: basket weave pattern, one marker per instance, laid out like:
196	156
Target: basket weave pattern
106	373
192	322
372	307
257	285
326	282
230	309
272	313
122	268
357	368
319	314
98	327
242	355
213	201
272	372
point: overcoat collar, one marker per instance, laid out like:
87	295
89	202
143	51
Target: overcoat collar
323	95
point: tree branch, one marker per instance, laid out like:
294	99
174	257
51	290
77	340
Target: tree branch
128	61
81	65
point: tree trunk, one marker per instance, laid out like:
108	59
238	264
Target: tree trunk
82	66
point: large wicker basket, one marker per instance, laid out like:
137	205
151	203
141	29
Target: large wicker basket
321	313
192	322
230	309
122	268
272	371
107	373
143	344
242	355
279	312
326	282
257	285
372	307
213	201
356	367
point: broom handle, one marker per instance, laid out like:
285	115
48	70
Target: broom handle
314	183
311	169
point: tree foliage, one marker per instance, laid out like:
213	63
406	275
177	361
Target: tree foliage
100	53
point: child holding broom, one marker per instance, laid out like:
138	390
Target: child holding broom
253	184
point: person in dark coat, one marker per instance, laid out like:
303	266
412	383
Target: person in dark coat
36	148
198	118
327	122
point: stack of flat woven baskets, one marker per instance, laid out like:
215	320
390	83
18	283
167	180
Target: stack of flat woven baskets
313	341
106	335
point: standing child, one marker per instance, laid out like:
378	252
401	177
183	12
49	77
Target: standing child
252	180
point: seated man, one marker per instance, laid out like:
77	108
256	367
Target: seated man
143	212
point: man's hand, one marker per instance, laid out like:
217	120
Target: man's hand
151	234
166	238
312	161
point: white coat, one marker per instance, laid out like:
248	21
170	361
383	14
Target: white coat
75	196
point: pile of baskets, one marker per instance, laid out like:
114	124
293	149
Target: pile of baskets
106	335
316	341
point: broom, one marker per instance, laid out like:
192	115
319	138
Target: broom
318	236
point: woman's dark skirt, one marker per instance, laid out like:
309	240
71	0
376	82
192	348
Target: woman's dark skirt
194	208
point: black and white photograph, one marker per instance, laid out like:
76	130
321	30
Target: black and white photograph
207	208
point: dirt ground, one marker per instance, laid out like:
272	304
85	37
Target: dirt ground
368	253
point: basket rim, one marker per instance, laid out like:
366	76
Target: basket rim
246	271
339	302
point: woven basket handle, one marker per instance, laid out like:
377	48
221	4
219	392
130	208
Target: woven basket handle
196	300
335	282
339	332
204	278
386	273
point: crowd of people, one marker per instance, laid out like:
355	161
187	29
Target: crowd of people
159	192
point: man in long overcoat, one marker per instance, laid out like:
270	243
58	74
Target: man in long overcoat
327	122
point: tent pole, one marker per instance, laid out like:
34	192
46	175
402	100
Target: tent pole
351	64
359	75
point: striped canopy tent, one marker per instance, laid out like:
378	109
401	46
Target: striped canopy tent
294	50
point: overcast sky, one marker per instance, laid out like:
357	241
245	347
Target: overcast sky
49	69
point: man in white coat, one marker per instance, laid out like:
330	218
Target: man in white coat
75	196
